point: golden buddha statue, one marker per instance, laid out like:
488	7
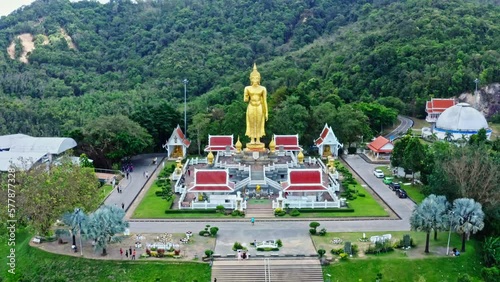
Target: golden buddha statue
256	96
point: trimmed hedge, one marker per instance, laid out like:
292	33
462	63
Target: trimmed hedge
309	210
191	211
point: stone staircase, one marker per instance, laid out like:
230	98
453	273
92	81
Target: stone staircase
264	210
260	270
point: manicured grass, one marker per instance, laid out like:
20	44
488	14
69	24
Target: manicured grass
151	205
409	265
385	169
414	192
495	127
365	206
104	191
420	123
33	264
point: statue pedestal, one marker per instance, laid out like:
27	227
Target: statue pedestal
255	147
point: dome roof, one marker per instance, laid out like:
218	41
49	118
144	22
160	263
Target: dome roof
461	117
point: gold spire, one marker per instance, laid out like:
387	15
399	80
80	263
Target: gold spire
254	73
300	157
238	145
272	145
210	158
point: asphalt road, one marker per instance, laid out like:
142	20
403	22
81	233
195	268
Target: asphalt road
405	123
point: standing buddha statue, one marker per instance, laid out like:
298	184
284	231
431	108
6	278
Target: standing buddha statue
257	114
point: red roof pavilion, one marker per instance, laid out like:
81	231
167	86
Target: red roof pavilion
219	143
304	180
289	142
381	145
211	180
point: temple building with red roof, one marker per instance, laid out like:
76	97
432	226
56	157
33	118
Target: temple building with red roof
381	145
287	142
327	143
435	107
220	143
177	144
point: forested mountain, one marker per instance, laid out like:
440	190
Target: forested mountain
122	58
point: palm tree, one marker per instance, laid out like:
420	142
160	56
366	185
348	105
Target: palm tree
442	219
448	136
75	220
468	216
429	215
103	225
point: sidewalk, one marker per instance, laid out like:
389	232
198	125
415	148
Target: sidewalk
132	186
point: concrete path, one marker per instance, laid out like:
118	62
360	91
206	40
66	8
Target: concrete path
132	186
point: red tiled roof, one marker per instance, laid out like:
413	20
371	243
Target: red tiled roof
219	143
322	136
377	144
211	181
181	135
438	105
304	180
289	142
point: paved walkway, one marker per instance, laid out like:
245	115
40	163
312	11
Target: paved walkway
136	181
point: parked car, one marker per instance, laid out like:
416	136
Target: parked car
395	186
388	180
401	193
378	173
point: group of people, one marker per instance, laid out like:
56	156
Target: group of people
127	253
242	255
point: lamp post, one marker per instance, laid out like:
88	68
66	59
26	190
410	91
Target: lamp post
79	218
449	234
477	82
185	81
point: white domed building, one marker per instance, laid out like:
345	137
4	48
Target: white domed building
461	120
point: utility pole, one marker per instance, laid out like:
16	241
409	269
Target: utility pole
477	82
185	81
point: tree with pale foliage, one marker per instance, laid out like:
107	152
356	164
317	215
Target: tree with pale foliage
74	220
103	226
430	215
45	192
467	218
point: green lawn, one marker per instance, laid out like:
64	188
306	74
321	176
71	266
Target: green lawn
104	191
365	206
495	127
151	205
420	123
409	265
33	264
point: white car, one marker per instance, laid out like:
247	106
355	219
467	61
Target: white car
378	173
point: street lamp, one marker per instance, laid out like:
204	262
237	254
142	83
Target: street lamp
185	81
449	234
476	81
79	219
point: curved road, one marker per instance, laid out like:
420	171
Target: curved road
401	129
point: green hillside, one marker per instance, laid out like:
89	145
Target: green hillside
121	58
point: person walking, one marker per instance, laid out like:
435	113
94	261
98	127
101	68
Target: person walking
252	220
127	173
126	253
123	206
133	255
130	250
147	174
121	253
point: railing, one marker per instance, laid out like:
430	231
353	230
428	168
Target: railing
242	183
207	205
272	183
312	205
267	270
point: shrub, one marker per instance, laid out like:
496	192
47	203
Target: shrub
312	231
490	274
203	232
343	256
267	249
148	252
279	243
236	213
237	246
295	212
361	195
354	249
161	253
214	230
220	209
380	247
209	253
337	251
322	232
314	225
159	193
351	150
321	253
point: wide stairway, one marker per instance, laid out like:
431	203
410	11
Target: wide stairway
266	270
262	209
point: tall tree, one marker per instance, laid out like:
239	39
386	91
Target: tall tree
103	225
199	129
414	156
350	125
109	139
398	152
75	220
429	215
467	218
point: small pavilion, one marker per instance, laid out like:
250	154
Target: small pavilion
327	143
381	145
177	144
